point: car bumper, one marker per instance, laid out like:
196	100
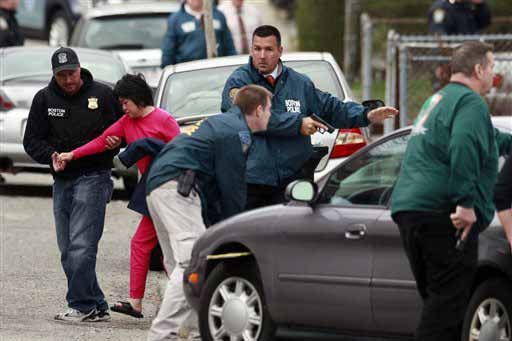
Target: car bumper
193	290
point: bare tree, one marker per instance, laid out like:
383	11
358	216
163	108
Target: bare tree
211	43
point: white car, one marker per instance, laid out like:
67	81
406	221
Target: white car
23	72
134	30
192	91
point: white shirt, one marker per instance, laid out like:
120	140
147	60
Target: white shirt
250	16
276	72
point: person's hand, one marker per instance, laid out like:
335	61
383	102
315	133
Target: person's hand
378	115
463	218
65	157
310	126
56	163
112	142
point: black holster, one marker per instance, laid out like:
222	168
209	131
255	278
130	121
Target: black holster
186	182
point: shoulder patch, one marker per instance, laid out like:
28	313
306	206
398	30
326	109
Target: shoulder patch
190	129
3	24
438	15
233	92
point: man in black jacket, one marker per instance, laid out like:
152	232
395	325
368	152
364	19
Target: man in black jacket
72	110
10	34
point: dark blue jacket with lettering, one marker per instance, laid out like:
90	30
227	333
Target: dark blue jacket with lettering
216	151
463	17
185	38
278	156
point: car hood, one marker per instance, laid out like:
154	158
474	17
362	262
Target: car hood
146	62
141	58
237	228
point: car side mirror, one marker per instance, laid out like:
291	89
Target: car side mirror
373	104
301	191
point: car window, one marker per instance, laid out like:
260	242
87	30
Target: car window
36	65
369	178
199	92
127	32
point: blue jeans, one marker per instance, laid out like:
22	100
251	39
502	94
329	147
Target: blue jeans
79	209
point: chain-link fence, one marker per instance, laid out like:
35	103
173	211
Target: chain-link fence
418	65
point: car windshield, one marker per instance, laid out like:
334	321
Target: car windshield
35	65
199	92
127	32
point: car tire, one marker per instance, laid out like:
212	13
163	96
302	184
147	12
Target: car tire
59	29
225	318
489	312
129	183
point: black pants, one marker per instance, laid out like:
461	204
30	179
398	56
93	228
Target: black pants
443	274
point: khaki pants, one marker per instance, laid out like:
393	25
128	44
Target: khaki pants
178	223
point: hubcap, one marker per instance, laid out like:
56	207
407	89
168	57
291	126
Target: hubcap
58	33
490	322
235	312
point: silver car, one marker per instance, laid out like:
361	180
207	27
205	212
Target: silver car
23	72
192	91
134	30
332	260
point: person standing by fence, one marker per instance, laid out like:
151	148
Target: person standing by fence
446	185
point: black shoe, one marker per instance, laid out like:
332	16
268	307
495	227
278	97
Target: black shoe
99	316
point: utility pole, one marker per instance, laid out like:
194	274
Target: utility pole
352	9
209	33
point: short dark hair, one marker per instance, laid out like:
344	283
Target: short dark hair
134	88
469	54
249	97
267	31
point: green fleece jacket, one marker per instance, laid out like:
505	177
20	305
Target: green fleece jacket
452	156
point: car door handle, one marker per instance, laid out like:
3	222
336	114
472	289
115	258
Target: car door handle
357	231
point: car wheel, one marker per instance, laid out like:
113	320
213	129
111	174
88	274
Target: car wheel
129	183
489	312
59	29
232	305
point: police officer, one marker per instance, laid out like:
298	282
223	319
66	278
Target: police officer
446	185
10	34
184	39
458	16
71	111
278	156
196	181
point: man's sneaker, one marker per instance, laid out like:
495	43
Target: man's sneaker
73	315
99	316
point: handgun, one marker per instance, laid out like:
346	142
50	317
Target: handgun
330	128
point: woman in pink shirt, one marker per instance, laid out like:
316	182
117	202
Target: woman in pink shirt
141	120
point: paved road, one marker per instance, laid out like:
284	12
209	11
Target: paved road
32	284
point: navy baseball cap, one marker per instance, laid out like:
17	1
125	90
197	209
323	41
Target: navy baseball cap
64	58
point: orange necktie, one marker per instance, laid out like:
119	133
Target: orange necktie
271	80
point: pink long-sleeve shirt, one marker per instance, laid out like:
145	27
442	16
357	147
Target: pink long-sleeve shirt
158	124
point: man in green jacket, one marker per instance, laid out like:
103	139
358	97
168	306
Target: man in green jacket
445	188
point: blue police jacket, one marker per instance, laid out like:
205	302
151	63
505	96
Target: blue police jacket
464	17
278	156
216	151
184	39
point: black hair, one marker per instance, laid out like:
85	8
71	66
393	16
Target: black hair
267	31
134	88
